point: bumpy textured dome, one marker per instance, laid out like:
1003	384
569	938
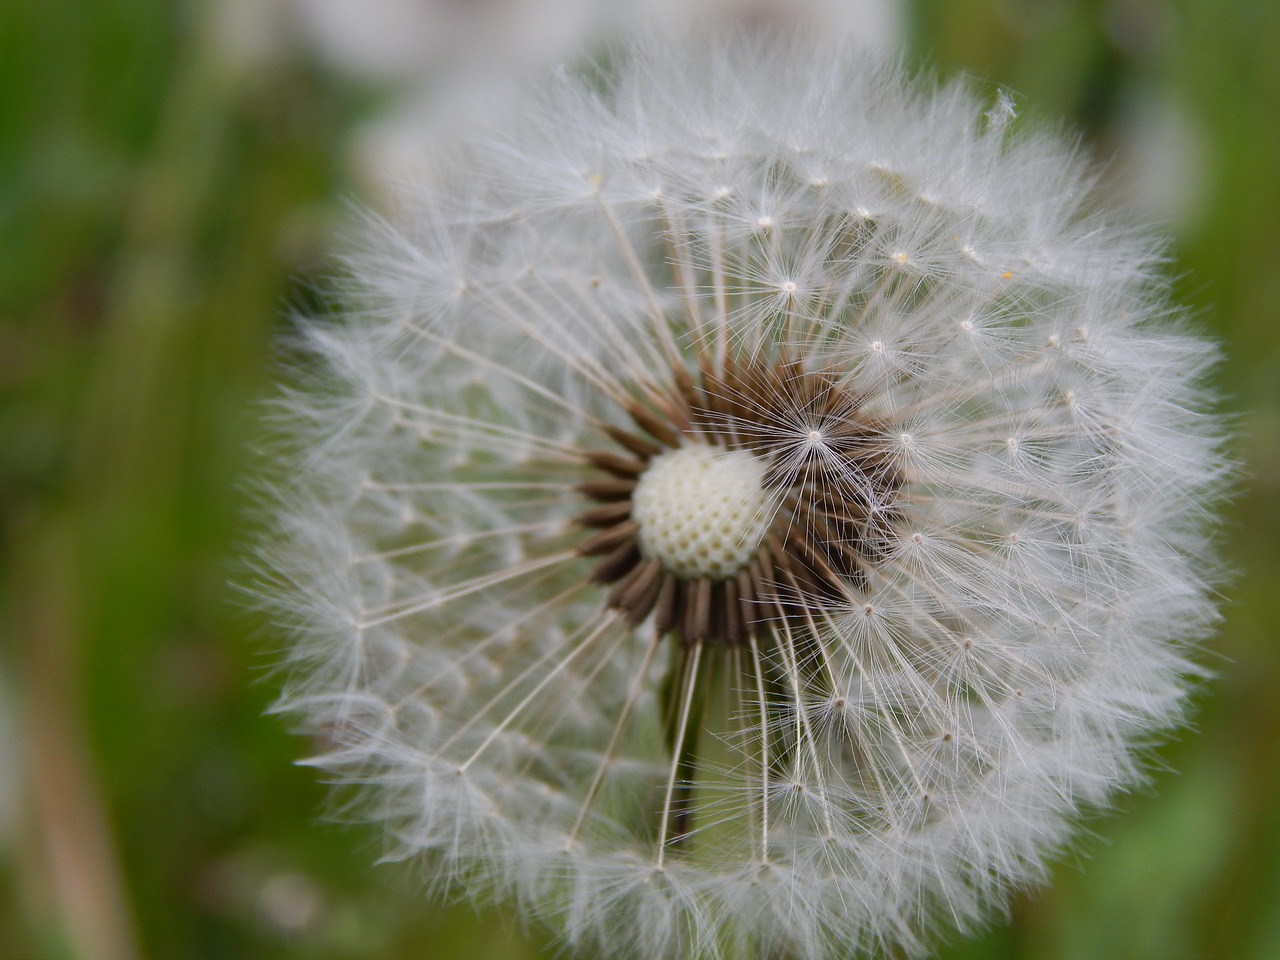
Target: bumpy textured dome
957	436
701	510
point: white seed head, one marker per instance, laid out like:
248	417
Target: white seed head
696	537
702	510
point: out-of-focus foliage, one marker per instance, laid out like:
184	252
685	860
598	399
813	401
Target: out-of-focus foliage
170	176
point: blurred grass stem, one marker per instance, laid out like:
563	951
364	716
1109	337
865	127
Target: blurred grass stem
75	836
124	474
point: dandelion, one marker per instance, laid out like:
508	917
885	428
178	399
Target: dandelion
751	507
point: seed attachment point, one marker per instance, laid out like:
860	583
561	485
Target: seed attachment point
702	510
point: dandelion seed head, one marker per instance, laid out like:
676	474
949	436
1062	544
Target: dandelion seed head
752	506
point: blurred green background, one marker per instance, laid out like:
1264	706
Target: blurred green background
170	178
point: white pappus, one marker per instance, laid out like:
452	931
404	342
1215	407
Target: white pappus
749	507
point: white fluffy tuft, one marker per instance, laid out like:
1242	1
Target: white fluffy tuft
891	761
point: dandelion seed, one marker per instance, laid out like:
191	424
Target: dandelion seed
706	611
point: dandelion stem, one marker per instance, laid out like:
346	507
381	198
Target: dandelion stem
677	751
